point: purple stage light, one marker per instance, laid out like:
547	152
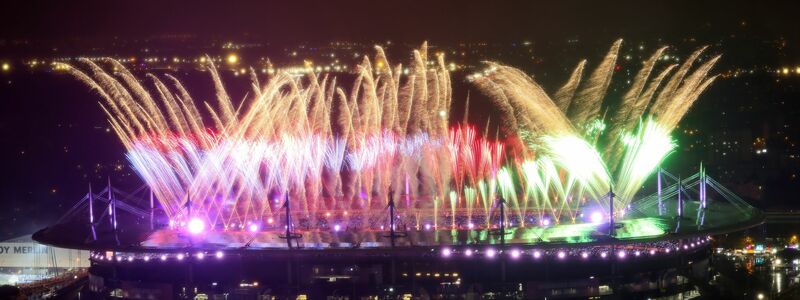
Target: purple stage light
446	252
596	217
468	253
490	253
537	254
219	254
515	253
196	226
562	255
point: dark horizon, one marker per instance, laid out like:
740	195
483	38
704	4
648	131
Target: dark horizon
370	21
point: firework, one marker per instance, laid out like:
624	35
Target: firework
340	153
568	129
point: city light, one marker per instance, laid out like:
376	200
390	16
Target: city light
232	59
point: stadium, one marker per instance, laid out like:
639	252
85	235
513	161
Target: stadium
144	258
308	190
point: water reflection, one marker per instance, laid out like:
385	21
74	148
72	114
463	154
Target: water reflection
743	276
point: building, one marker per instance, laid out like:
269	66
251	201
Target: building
23	260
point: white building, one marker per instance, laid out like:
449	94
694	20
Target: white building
24	260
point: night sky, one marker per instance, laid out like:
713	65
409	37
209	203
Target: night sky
54	139
293	21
